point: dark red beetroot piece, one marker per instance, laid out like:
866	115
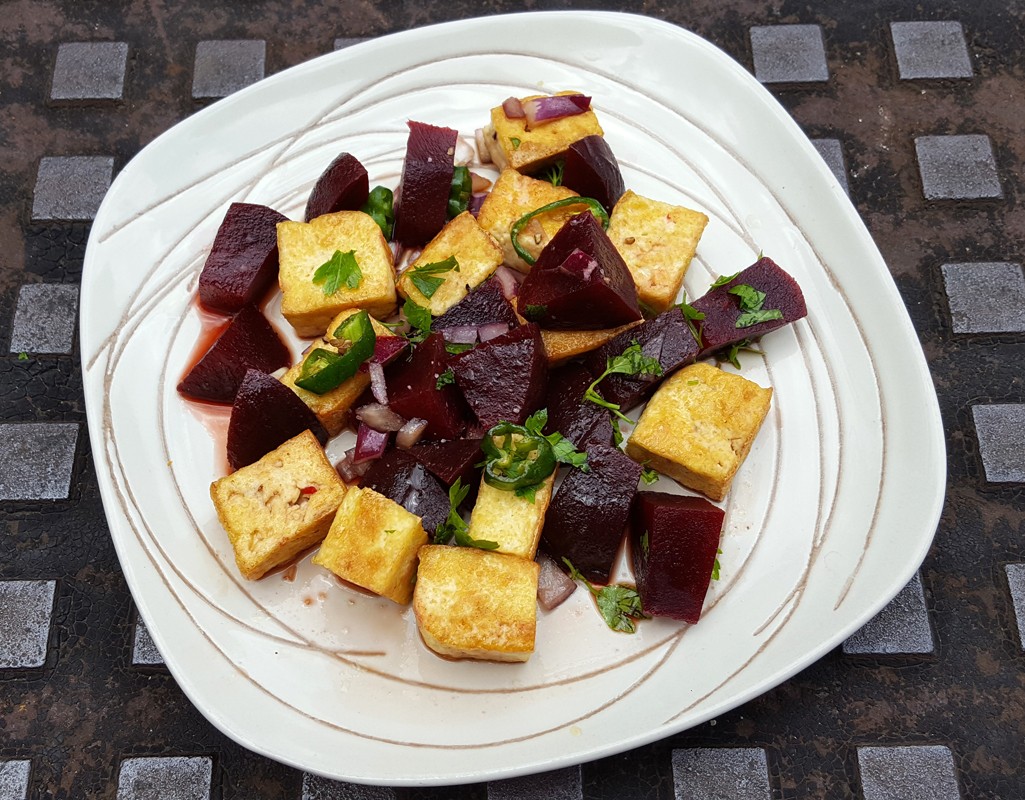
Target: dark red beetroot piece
243	260
265	415
399	477
421	202
588	515
722	310
591	170
451	460
249	342
504	378
580	282
674	540
582	422
484	305
413	391
667	338
343	186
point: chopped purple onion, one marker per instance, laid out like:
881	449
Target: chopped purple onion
370	444
548	109
379	417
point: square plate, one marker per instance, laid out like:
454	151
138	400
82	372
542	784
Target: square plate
828	519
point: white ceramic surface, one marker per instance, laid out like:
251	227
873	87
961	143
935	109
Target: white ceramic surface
828	519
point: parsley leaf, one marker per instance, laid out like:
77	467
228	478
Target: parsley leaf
425	278
340	268
447	378
619	605
420	318
645	544
722	280
631	361
528	492
554	173
22	356
649	475
733	354
455	525
515	142
715	567
750	298
455	348
565	451
692	315
749	318
534	313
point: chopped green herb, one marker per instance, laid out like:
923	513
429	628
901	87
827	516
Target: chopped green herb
565	451
455	348
425	278
631	361
749	318
455	525
420	318
535	313
515	142
733	354
554	173
528	493
645	544
619	605
692	315
447	378
715	567
693	383
751	302
722	280
649	475
460	191
380	207
617	433
340	268
389	530
22	356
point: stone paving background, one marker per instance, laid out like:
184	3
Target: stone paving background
919	109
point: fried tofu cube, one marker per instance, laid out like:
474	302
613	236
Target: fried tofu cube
477	256
657	241
472	603
514	522
303	247
699	426
514	195
332	408
561	346
279	506
511	144
373	543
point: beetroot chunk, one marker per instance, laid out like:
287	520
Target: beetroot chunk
582	422
450	461
399	477
266	413
504	378
668	338
343	186
591	170
579	282
588	515
673	540
413	391
723	311
421	202
249	342
485	305
243	260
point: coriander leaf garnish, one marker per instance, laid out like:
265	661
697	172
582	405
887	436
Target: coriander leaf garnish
565	451
515	142
22	356
649	475
425	278
733	354
340	268
751	302
715	566
749	318
554	173
528	493
692	315
455	348
447	378
619	605
535	313
420	318
645	544
722	280
455	525
631	361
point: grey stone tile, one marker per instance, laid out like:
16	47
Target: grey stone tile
1016	580
721	773
25	611
908	773
36	460
90	71
986	297
348	41
14	779
832	153
165	778
45	318
957	167
901	627
930	50
71	187
1001	430
789	54
144	651
559	784
317	788
225	66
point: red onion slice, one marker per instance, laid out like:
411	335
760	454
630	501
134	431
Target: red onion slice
347	470
377	385
548	109
513	108
509	280
491	330
480	139
370	444
461	334
410	433
553	585
386	350
379	417
475	202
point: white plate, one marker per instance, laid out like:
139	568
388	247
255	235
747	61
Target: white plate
829	518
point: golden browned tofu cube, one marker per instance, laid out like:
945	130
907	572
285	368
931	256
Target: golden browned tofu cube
472	603
514	195
277	507
514	522
657	241
332	408
373	543
699	426
303	247
511	144
563	345
477	256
